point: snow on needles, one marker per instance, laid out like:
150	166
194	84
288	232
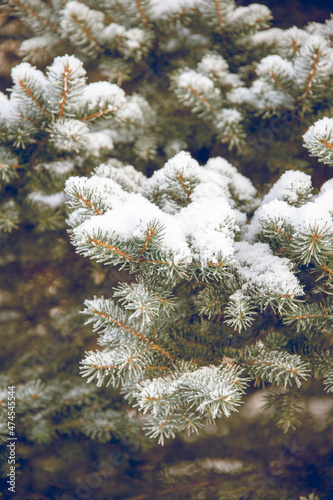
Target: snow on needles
319	139
317	131
161	7
24	72
103	94
202	231
200	83
129	219
290	187
61	64
241	187
262	270
278	206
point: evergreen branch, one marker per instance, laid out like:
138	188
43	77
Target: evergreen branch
143	299
98	114
280	84
326	143
123	361
312	74
316	243
280	231
114	249
67	72
327	270
274	366
319	140
327	84
130	330
142	13
35	14
287	409
86	31
88	203
86	198
28	119
240	311
11	165
282	367
220	18
185	186
163	429
149	232
328	380
8	167
212	270
31	95
212	390
117	251
311	317
202	99
178	15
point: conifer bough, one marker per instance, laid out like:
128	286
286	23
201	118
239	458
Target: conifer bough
220	60
53	124
205	279
174	338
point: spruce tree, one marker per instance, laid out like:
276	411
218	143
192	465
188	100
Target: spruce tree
173	338
214	284
214	71
52	125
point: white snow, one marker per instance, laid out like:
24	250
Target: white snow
249	15
241	187
94	18
328	185
134	109
213	63
105	189
318	130
125	40
52	200
317	213
267	272
126	176
275	64
69	135
57	167
202	231
32	47
277	206
130	219
135	38
291	40
182	162
26	72
195	80
290	187
263	38
242	95
262	95
56	71
113	31
7	110
97	141
227	117
162	7
103	94
210	225
214	66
